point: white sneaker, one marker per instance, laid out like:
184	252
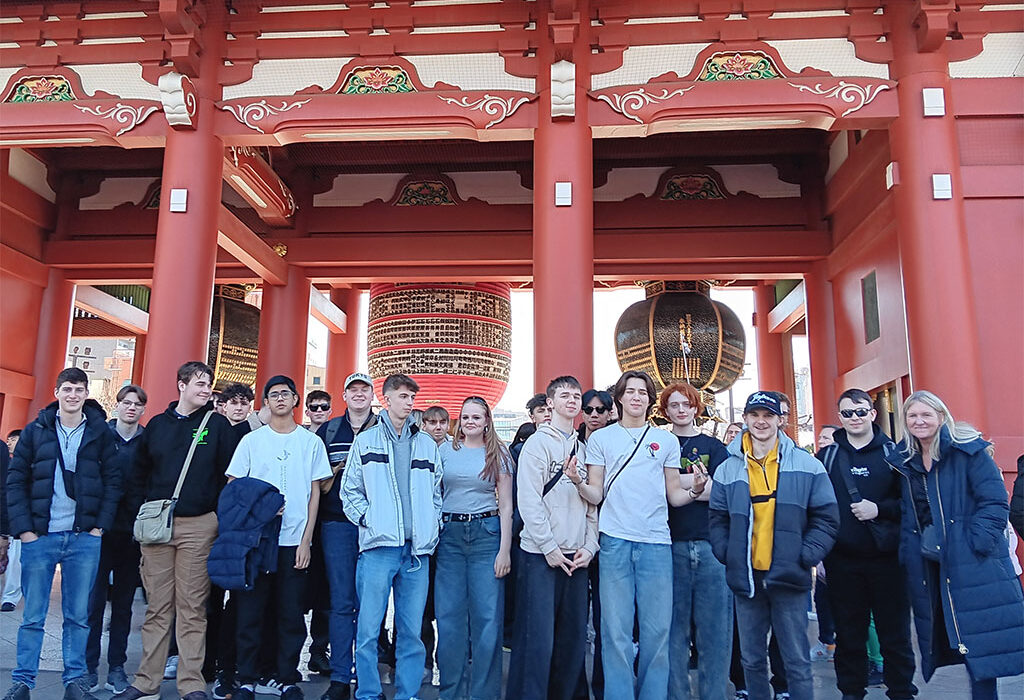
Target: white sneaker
823	652
171	669
269	686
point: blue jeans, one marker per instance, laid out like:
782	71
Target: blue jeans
785	614
635	575
340	542
701	595
79	556
378	571
468	603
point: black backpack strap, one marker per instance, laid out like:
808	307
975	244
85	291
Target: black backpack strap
628	460
551	483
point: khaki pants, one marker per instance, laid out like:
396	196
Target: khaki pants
177	585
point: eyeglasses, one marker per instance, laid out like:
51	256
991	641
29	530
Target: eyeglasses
320	407
129	404
590	409
851	412
275	395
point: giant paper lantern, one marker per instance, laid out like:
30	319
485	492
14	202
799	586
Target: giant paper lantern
234	337
679	334
454	339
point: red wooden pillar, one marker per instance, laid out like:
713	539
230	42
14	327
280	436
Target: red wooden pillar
186	245
563	235
138	360
821	340
343	348
771	372
284	323
52	341
932	233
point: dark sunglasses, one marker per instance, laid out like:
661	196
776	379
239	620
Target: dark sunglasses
320	407
590	409
851	412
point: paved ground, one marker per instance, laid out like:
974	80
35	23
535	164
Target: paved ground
947	684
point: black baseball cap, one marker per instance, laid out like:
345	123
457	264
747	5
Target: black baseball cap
765	400
279	379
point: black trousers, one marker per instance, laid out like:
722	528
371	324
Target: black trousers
551	631
221	623
318	598
282	596
119	558
858	587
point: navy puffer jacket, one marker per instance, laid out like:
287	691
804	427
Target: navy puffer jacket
974	582
97	481
248	527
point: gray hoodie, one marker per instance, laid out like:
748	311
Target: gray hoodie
561	519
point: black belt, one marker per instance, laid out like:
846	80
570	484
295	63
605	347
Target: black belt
466	517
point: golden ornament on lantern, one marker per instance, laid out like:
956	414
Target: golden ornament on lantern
679	334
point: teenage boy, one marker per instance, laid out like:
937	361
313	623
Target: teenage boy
391	488
63	487
174	574
559	536
436	421
701	599
318	408
11	595
864	576
634	471
292	460
773	516
339	536
118	574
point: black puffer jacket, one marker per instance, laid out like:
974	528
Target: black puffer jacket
97	479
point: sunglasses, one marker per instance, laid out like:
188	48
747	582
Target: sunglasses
590	409
851	412
320	407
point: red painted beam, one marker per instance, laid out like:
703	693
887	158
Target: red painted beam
249	174
249	249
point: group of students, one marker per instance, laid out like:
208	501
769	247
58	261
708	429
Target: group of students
665	539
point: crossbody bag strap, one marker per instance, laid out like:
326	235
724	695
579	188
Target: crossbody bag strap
628	460
191	451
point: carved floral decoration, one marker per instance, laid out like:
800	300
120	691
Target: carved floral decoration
425	193
254	112
42	88
376	80
742	65
691	186
501	108
628	103
129	115
850	93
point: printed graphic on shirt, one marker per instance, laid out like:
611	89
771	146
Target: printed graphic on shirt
860	471
691	457
202	436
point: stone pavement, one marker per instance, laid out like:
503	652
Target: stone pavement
947	684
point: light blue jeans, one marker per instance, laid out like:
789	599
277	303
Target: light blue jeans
79	556
701	595
378	571
469	603
635	574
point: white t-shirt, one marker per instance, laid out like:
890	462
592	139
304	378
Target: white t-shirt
635	507
289	461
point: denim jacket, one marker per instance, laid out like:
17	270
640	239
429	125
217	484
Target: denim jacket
370	497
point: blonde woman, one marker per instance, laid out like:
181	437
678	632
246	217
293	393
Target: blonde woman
473	556
968	605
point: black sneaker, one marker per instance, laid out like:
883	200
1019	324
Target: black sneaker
76	690
292	692
18	691
244	693
337	691
319	662
224	687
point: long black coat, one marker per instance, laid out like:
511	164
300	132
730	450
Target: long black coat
981	600
97	479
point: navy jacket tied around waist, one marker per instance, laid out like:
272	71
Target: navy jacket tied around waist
248	530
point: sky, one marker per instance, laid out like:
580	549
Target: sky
608	306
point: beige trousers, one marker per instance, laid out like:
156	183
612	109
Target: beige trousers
177	586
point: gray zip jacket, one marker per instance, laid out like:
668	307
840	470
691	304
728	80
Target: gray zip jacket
369	490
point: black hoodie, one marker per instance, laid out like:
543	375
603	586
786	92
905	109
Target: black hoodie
160	455
875	481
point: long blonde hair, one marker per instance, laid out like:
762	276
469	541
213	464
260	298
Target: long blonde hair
961	432
496	455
